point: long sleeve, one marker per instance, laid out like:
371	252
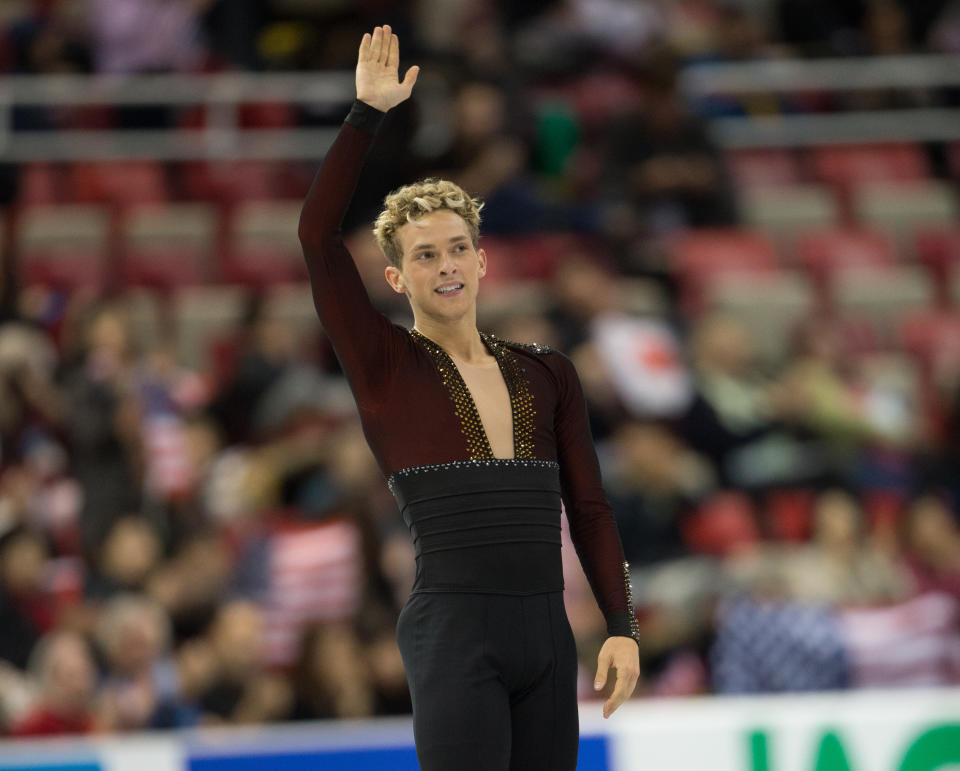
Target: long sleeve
363	338
592	524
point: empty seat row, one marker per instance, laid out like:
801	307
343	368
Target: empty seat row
126	183
897	210
160	244
700	255
842	167
892	306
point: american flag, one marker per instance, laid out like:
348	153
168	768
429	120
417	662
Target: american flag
912	643
315	574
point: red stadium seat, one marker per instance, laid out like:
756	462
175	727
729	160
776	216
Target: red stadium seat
824	252
168	246
699	256
723	525
63	246
938	250
120	183
789	514
930	335
763	168
902	210
882	296
41	184
268	115
501	258
231	182
263	247
850	166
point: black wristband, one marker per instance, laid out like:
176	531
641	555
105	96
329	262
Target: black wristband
364	117
623	625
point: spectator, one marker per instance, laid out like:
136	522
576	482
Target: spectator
331	678
732	419
192	583
64	671
128	556
488	154
25	608
242	691
147	36
103	422
140	690
663	173
840	566
656	482
932	545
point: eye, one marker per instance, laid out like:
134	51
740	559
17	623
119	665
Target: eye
424	255
461	247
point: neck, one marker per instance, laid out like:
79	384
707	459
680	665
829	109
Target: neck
459	338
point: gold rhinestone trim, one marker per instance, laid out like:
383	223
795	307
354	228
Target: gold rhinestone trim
478	447
634	626
521	397
518	387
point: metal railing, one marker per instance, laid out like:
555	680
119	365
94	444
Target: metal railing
223	95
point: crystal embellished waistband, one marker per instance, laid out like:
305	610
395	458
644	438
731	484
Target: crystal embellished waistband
507	463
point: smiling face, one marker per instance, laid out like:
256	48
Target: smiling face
440	269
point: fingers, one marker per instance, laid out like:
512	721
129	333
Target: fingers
620	694
626	681
365	47
376	46
411	77
603	666
393	52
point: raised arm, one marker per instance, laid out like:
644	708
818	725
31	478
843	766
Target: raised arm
359	333
594	533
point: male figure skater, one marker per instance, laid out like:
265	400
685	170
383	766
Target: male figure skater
480	439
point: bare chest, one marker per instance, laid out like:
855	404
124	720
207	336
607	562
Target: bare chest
492	400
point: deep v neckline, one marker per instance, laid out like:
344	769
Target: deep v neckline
465	406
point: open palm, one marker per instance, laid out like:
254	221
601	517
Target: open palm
378	82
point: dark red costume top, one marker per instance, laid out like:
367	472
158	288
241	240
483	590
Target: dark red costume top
478	523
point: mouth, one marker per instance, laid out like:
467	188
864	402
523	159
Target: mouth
449	290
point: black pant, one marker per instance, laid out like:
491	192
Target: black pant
493	680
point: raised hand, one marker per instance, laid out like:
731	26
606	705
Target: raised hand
378	81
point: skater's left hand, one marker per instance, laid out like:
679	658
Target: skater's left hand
622	654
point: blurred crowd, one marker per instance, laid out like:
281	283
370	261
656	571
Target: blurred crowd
193	542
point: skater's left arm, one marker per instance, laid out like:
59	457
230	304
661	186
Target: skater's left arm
594	533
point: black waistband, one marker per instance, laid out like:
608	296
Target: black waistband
483	526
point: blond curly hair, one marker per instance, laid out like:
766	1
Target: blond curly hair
411	202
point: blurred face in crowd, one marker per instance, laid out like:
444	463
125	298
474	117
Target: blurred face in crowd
722	346
585	290
130	552
932	532
22	562
137	637
821	341
108	332
337	663
651	454
480	111
441	269
237	638
837	520
67	674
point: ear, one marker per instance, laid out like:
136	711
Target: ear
483	262
395	279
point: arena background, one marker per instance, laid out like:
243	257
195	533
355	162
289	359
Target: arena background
738	217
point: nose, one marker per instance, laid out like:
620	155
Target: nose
447	265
